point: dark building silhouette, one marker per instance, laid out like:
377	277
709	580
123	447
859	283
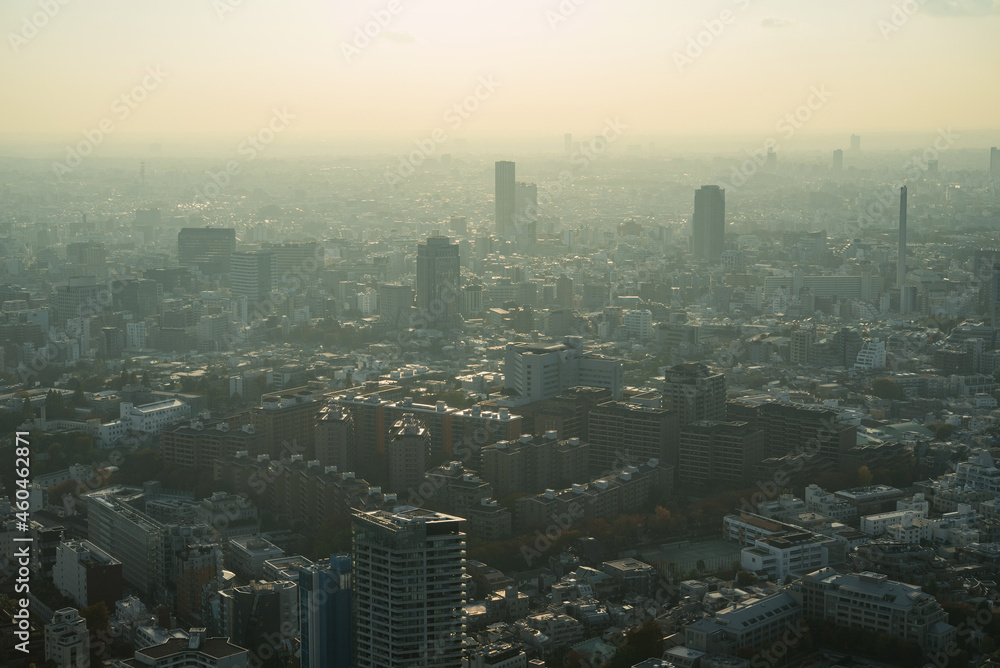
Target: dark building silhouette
208	249
708	226
504	198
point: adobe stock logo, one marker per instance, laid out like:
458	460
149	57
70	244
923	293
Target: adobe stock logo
712	29
363	38
30	26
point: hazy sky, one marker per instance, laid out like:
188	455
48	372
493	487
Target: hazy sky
226	70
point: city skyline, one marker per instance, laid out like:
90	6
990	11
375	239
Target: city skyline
499	334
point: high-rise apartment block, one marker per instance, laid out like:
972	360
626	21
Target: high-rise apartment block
695	393
626	434
409	588
711	452
326	614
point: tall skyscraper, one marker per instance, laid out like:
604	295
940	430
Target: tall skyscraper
504	198
409	587
252	274
901	252
995	163
995	296
838	160
525	202
564	291
326	614
855	143
708	233
438	269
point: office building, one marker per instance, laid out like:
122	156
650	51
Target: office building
525	202
130	536
533	372
471	305
197	569
326	614
438	269
410	589
855	143
293	260
995	163
639	324
694	392
81	297
838	161
262	616
872	602
504	202
901	251
863	287
141	297
800	346
564	291
708	226
252	275
87	574
206	249
394	304
245	555
67	641
785	553
87	258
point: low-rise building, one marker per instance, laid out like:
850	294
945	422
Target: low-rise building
67	641
246	555
750	624
196	650
787	553
872	602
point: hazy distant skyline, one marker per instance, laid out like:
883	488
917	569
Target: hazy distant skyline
226	70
